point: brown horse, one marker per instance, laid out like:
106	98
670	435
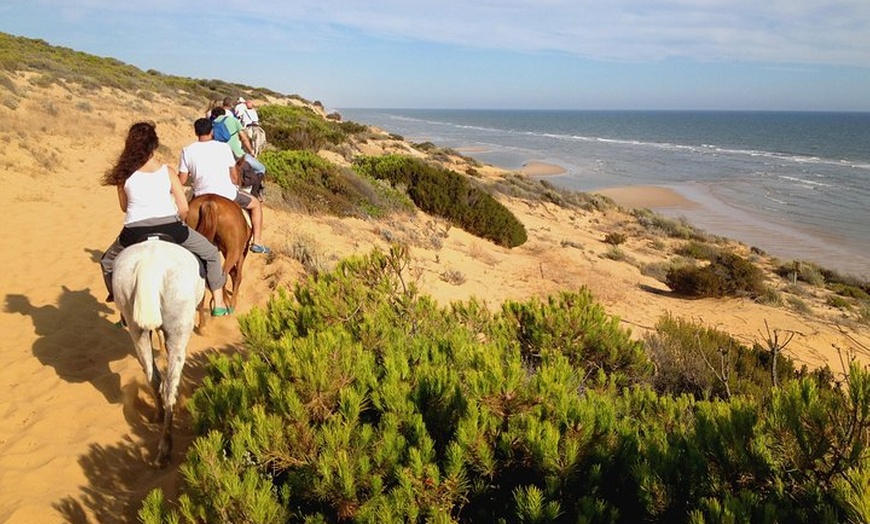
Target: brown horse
223	223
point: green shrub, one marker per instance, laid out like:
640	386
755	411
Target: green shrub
617	254
799	305
317	185
727	275
851	291
770	296
656	270
803	271
838	302
360	400
299	128
449	195
698	250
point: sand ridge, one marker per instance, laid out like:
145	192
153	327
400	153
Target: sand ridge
75	437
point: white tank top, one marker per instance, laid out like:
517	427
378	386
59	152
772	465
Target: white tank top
149	195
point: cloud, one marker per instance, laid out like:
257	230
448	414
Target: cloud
798	31
774	31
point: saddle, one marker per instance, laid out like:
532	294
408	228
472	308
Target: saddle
175	232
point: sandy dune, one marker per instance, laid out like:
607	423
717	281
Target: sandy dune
75	437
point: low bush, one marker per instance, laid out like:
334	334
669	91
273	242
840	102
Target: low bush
850	291
449	195
726	275
301	128
838	302
698	250
314	184
359	400
803	271
615	238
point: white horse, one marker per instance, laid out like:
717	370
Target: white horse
157	285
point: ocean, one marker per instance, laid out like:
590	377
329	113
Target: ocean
795	184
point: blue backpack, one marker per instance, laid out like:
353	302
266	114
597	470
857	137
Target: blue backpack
220	131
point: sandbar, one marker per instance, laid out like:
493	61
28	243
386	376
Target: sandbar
652	197
535	168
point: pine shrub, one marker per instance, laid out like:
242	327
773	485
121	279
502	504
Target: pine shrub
360	400
449	195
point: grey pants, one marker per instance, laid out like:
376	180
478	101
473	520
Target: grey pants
195	243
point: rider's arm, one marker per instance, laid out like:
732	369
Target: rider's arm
122	198
246	143
178	193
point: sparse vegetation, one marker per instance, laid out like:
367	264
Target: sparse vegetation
62	66
799	305
673	228
452	276
726	275
615	238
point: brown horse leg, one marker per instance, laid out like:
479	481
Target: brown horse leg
236	275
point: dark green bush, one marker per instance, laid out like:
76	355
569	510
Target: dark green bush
449	195
728	274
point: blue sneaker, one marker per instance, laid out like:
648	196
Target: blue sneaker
257	248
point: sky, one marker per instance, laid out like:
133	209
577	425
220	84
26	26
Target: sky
488	54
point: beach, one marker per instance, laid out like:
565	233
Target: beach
793	184
76	436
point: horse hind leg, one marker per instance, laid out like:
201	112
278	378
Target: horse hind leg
145	355
176	344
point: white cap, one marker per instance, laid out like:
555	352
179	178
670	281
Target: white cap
240	100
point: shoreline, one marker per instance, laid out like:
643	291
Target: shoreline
700	207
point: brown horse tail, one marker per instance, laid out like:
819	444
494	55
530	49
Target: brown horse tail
208	220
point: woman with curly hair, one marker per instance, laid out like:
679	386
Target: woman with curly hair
153	200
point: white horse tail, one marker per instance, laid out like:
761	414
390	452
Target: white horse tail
146	304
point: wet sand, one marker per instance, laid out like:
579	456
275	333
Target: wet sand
652	197
535	168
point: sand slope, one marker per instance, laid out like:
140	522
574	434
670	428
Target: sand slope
75	437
